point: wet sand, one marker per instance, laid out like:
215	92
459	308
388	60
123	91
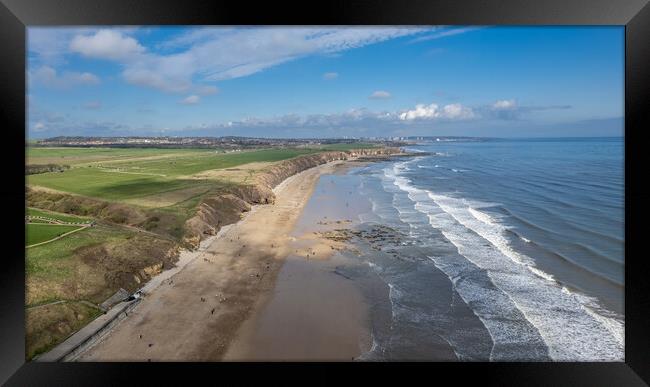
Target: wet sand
317	311
314	315
196	314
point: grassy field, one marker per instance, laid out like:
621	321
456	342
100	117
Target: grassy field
57	216
185	165
51	267
54	273
127	178
89	266
37	233
74	156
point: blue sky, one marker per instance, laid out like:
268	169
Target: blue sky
326	82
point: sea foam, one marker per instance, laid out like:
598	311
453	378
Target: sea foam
570	327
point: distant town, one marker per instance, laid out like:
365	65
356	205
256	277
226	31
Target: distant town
232	142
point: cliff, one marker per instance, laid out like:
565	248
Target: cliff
219	210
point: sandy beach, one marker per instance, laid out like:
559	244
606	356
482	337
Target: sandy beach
196	314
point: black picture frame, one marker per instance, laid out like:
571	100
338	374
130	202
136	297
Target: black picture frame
17	15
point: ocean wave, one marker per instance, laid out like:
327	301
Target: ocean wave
563	319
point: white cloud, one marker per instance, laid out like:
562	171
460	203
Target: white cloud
39	126
380	94
457	111
216	53
504	104
420	111
434	111
182	63
359	118
330	76
190	100
49	45
48	76
106	44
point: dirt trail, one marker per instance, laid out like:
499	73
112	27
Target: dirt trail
194	315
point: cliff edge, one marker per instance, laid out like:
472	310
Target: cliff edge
219	210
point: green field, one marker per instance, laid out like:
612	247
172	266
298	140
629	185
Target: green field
53	261
73	156
184	165
111	186
118	179
37	233
59	270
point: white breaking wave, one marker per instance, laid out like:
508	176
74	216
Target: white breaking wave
483	217
571	328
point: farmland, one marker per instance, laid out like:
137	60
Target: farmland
137	173
74	156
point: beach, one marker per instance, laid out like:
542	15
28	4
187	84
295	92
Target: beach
196	314
315	312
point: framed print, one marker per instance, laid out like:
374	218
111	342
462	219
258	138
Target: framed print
429	186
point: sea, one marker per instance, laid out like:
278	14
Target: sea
508	250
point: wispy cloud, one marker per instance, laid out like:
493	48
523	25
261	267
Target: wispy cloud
380	94
510	109
209	54
442	34
190	100
330	76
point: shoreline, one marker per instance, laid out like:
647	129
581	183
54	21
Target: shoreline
316	311
202	297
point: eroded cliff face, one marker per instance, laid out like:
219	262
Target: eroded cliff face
219	210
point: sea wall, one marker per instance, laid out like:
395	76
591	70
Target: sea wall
220	210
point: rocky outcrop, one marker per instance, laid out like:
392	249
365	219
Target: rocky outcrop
212	214
219	210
